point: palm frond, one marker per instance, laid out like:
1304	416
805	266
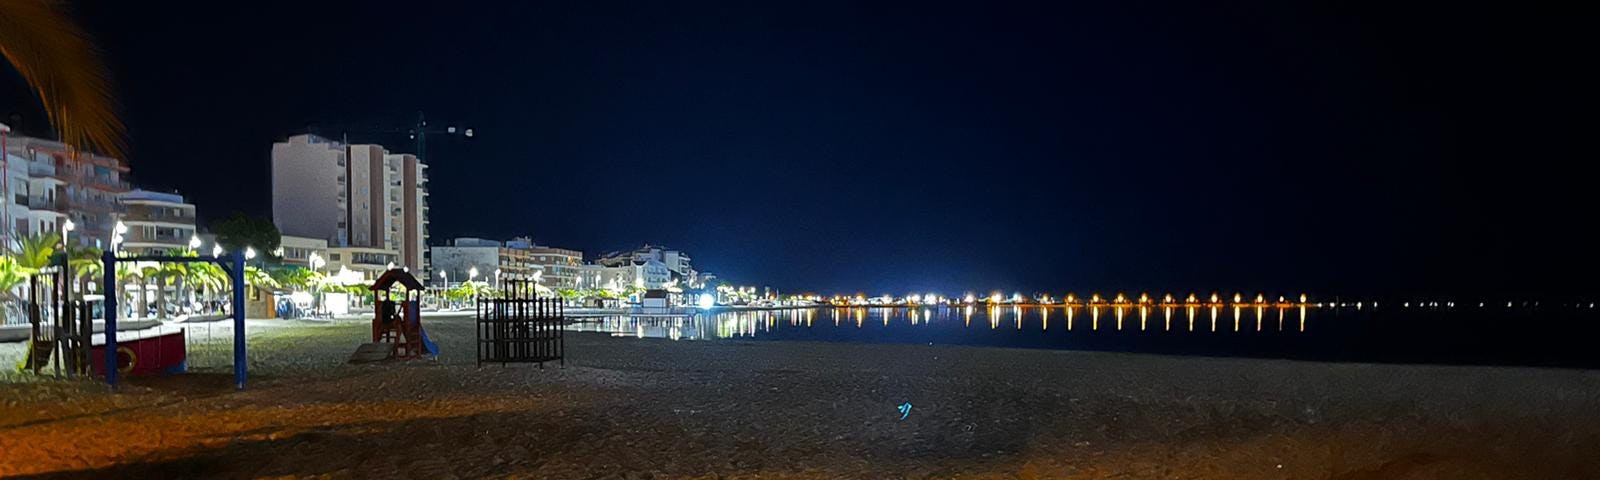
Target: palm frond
61	65
33	252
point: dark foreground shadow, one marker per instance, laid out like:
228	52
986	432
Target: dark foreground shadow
465	446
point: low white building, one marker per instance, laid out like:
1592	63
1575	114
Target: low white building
370	262
458	261
674	261
648	274
303	250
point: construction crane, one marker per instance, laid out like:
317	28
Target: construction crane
417	132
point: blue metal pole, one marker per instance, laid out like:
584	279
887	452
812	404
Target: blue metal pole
108	263
238	319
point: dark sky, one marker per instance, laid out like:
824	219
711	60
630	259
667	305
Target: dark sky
1259	145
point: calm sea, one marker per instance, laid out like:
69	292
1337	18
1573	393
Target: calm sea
1567	336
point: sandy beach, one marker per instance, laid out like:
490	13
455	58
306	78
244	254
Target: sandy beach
652	408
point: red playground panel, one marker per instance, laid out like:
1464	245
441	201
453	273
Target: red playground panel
158	355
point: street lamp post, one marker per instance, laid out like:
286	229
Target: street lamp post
445	275
66	252
117	235
116	241
315	261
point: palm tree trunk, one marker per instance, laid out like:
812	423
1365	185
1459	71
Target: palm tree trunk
161	297
144	301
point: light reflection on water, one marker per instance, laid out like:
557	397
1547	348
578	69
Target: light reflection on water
1302	331
878	321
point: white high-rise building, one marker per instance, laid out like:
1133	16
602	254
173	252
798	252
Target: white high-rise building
357	197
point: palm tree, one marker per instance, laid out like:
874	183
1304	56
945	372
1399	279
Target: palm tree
258	278
207	277
11	277
33	253
164	272
83	262
29	255
62	66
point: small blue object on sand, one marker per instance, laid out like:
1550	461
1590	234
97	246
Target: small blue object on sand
905	410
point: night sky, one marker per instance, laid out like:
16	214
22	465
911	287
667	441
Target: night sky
889	148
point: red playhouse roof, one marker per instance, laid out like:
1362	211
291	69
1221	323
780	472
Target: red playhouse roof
389	278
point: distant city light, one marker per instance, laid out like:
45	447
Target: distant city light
707	300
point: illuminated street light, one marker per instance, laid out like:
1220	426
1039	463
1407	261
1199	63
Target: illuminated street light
194	242
66	226
216	250
249	253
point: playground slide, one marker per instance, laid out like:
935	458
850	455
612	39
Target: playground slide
427	343
414	312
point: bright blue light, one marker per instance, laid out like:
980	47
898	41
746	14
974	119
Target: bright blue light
707	301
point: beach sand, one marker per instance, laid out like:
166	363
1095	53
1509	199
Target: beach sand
653	408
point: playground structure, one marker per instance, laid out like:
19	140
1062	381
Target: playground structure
396	320
64	333
61	328
519	327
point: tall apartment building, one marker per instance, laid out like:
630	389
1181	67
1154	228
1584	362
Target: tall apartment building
359	198
45	185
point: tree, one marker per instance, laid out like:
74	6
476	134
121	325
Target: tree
61	65
33	253
294	277
11	277
258	278
240	231
83	262
27	257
